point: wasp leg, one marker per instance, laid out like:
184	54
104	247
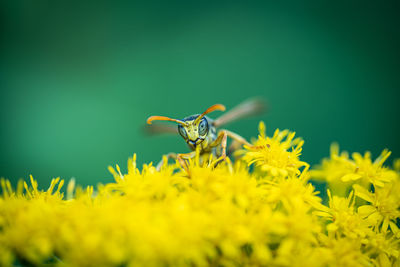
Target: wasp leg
237	142
222	140
168	156
237	138
182	157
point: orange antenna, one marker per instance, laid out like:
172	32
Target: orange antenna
163	118
210	109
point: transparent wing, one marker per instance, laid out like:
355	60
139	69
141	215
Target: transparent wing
250	107
155	129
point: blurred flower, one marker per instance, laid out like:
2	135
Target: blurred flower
341	172
371	172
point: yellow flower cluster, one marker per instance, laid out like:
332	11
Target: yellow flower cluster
277	155
260	210
341	172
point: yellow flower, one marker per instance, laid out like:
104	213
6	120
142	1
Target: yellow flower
396	164
341	172
343	217
333	169
342	251
384	206
277	155
25	224
371	172
226	214
292	193
384	245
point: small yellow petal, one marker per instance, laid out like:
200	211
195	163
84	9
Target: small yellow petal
351	177
366	210
363	193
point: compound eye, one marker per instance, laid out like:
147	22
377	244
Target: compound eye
203	127
182	132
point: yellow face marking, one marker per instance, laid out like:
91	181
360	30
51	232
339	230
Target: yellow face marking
192	131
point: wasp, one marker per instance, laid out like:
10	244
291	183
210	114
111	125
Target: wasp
201	132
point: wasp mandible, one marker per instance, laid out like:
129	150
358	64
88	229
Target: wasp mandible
200	132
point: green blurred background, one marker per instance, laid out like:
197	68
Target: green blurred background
78	80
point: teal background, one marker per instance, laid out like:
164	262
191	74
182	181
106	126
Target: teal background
78	80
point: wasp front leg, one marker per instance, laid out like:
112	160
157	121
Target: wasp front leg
183	157
180	157
222	140
237	138
166	158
